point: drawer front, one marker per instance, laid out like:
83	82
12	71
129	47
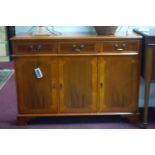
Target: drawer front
34	47
121	46
77	47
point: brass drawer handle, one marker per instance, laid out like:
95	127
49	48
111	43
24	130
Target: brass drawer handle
82	46
35	48
76	48
39	46
120	49
32	48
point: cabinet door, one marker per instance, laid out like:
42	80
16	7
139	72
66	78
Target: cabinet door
37	95
78	84
118	83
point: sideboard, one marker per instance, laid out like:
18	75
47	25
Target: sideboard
77	75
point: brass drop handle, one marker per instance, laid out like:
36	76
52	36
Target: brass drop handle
120	49
82	46
39	46
35	48
32	48
76	48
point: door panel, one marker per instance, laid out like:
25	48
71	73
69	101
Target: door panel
78	84
118	83
37	95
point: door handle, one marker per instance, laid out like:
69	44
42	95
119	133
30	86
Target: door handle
60	85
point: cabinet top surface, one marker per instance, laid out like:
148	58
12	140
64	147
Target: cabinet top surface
68	36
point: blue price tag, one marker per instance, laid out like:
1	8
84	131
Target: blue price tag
38	73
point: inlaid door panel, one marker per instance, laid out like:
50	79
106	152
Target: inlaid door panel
78	84
37	94
118	83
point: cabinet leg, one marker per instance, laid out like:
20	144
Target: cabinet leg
147	77
132	118
146	103
23	120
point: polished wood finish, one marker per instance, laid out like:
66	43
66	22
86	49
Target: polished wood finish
76	47
121	46
37	95
78	82
91	81
34	47
118	83
148	67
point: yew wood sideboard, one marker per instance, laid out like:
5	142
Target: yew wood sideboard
77	75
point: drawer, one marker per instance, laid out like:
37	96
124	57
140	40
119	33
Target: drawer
34	47
77	47
121	46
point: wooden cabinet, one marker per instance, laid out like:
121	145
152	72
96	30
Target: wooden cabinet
86	75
